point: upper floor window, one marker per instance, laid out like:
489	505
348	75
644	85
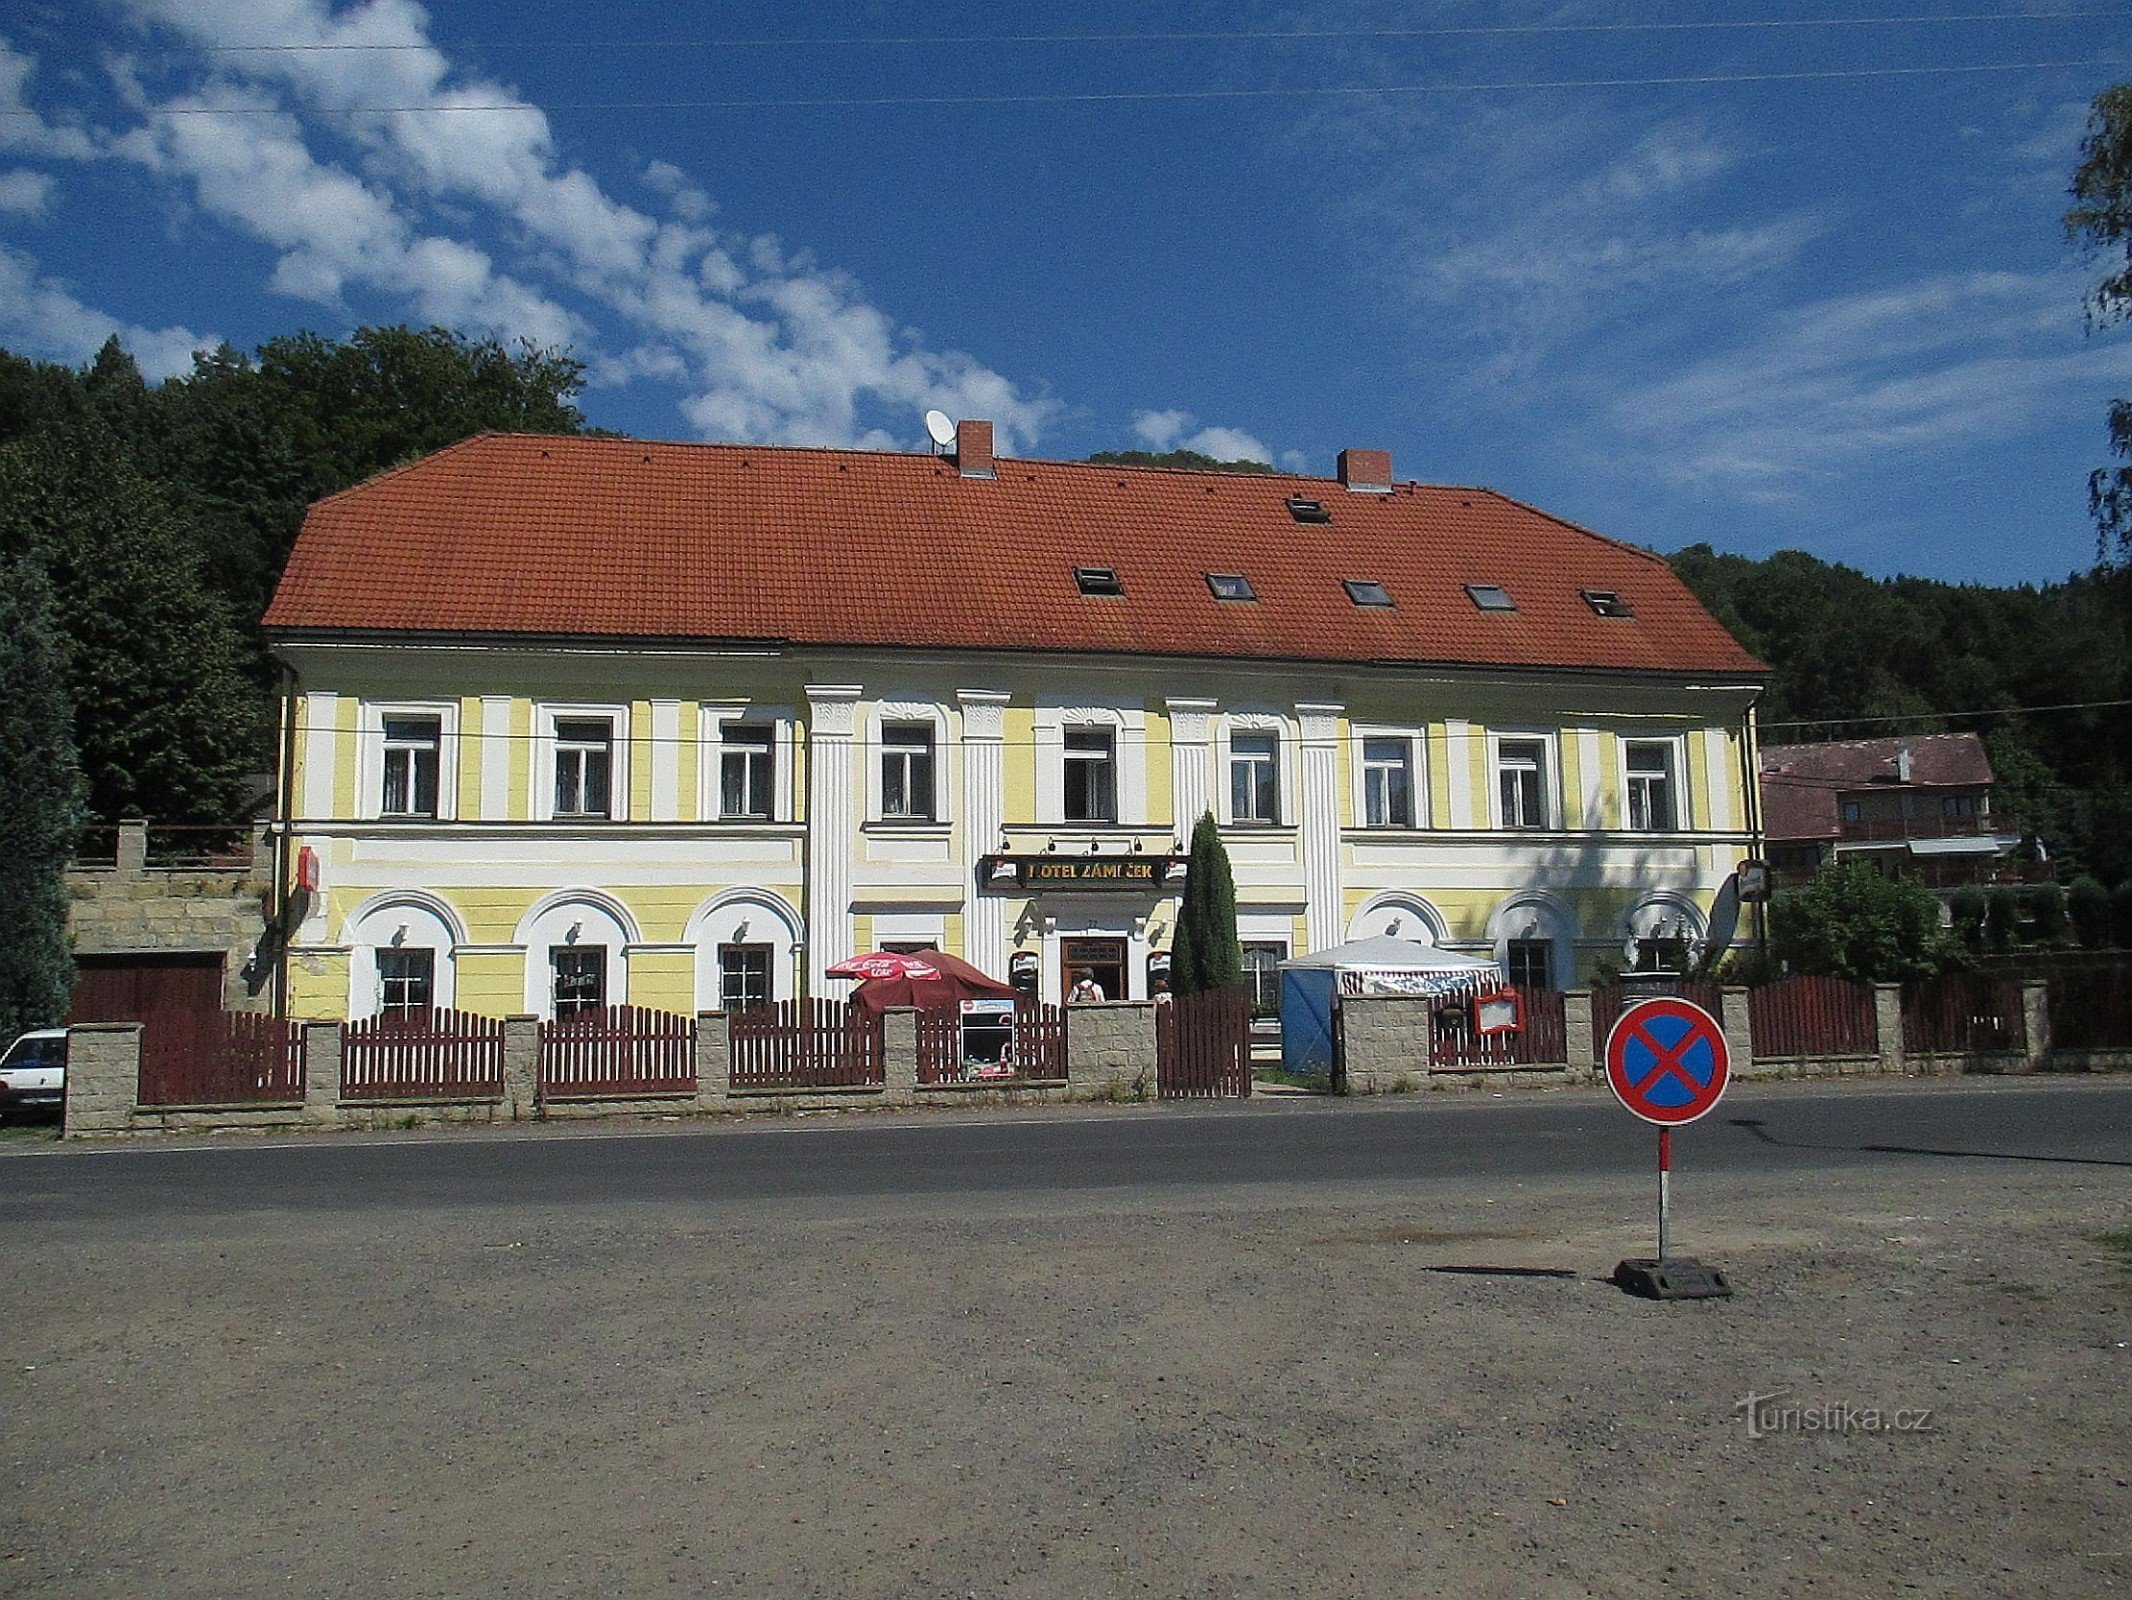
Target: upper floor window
1651	784
747	766
907	770
1853	811
1254	777
411	746
1091	786
584	766
1387	783
1521	782
1957	806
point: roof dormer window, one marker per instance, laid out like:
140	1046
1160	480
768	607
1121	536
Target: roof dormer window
1367	591
1607	602
1231	586
1098	580
1304	509
1490	597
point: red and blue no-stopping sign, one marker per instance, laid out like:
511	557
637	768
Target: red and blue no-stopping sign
1666	1061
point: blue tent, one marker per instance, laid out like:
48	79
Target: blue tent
1312	984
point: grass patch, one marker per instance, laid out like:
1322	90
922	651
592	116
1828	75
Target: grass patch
30	1132
2120	1242
1315	1082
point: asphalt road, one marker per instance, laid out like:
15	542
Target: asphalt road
1776	1129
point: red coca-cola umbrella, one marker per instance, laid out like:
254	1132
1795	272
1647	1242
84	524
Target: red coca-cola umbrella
923	978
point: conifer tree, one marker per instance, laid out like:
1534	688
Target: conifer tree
40	803
1205	954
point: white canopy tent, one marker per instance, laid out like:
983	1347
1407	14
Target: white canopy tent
1378	966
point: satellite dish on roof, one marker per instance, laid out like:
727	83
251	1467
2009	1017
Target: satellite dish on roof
941	426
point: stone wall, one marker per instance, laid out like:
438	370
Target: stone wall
1110	1048
136	908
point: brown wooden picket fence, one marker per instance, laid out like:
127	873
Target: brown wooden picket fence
2091	1007
1203	1045
618	1050
1963	1014
219	1058
1606	1005
1542	1041
1038	1053
1802	1018
440	1054
816	1043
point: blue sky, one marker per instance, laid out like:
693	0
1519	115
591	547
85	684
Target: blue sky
1828	313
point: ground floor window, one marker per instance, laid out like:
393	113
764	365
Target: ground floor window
579	978
744	976
1530	963
407	982
1262	974
1661	955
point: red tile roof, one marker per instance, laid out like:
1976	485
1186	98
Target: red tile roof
1801	783
615	538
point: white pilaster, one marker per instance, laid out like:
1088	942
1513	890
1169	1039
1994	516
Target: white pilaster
1191	764
1319	725
322	740
1594	780
1717	764
832	827
665	760
984	808
1458	754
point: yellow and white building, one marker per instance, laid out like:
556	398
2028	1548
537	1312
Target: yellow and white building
577	721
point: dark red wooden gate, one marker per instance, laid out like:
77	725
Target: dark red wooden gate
1803	1017
1203	1045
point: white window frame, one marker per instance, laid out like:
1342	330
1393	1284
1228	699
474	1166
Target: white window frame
546	714
1229	772
1067	761
1550	778
1287	762
1676	778
710	763
1128	722
370	767
1417	748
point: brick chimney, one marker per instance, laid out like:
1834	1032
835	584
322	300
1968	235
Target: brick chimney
973	449
1366	471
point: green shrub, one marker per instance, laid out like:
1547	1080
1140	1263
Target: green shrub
1966	906
1850	922
2121	915
2088	904
2045	905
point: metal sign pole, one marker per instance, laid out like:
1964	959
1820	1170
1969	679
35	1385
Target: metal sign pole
1665	1191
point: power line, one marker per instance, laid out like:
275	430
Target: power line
1102	97
1217	36
1924	716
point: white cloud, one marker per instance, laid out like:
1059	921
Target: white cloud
25	193
24	130
1174	430
1941	365
39	316
773	345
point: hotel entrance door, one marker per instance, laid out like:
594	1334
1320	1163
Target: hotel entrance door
1101	959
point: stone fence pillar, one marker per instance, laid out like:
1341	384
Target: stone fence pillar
2036	1018
1578	1044
521	1067
714	1060
1739	1027
1384	1040
1888	1025
323	1047
132	858
899	1054
1110	1048
103	1077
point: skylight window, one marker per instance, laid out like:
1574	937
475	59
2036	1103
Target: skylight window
1367	592
1231	586
1607	602
1098	580
1305	510
1490	597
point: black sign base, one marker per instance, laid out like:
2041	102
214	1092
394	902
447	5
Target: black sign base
1675	1278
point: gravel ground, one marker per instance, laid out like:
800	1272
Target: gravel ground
1373	1390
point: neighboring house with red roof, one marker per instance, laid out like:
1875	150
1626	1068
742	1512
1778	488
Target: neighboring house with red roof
578	720
1919	805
